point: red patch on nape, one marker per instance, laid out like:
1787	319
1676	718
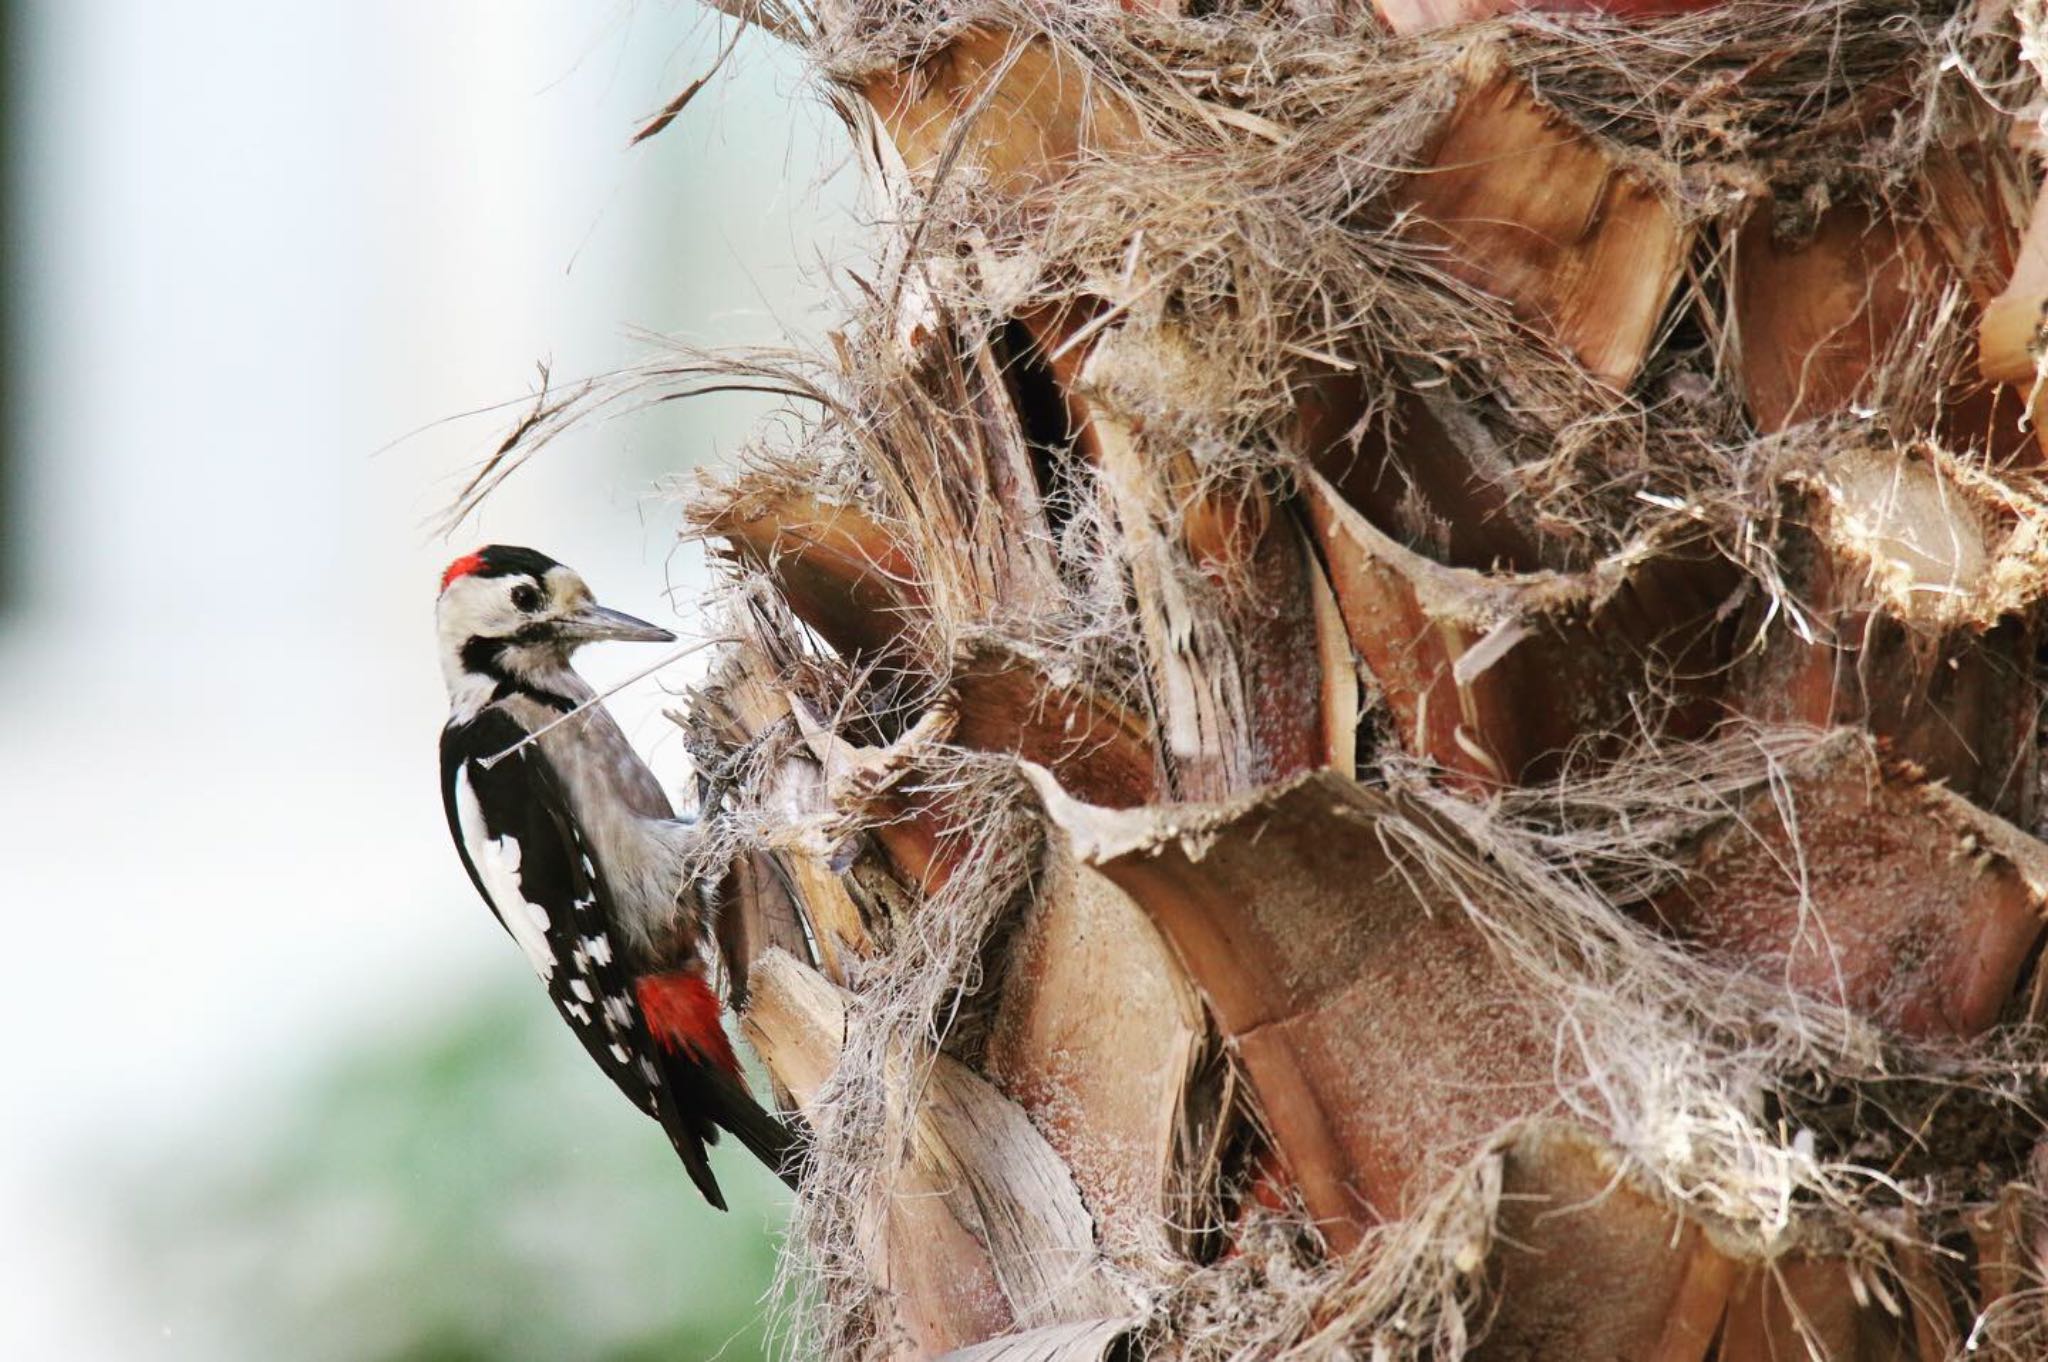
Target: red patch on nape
461	567
683	1016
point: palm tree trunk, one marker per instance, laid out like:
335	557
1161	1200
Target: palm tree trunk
1389	707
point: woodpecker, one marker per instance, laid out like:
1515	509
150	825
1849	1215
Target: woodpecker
577	851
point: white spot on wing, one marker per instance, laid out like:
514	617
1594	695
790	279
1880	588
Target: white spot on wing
578	1011
582	991
619	1053
497	865
600	948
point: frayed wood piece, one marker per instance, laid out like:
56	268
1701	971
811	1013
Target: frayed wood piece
1809	1308
1097	1036
839	927
1429	474
759	912
2010	1237
1813	319
839	571
1575	1222
976	1151
979	1229
1220	524
863	782
1979	196
1922	573
1375	1027
1471	665
935	1285
1977	199
743	699
1018	535
1343	699
1012	110
1424	16
957	477
1693	1318
1573	1225
1859	884
757	907
1246	685
1929	1299
1528	208
1088	1340
855	774
796	1022
2011	335
1875	314
1237	692
1007	701
786	895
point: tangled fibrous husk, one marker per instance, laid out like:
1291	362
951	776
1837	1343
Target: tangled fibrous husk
1250	231
1785	1124
1242	242
1246	236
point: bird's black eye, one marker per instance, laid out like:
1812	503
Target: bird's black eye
525	598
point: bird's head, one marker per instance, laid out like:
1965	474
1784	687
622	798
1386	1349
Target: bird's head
515	614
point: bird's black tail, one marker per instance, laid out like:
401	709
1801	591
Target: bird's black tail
767	1136
704	1100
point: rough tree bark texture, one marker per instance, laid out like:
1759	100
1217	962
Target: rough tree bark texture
1389	705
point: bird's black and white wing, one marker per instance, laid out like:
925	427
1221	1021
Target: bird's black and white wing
531	866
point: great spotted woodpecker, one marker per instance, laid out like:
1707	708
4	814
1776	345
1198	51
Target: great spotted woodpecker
572	843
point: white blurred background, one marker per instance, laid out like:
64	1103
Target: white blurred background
254	245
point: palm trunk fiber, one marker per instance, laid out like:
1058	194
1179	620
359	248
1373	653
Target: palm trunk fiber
1387	702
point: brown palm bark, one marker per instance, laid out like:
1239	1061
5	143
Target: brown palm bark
1390	707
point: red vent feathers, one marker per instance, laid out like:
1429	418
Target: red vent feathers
461	567
683	1016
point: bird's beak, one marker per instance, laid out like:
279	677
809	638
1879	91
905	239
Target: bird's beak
595	624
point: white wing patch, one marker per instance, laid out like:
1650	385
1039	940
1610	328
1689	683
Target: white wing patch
497	864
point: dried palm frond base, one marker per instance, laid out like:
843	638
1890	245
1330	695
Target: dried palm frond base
1388	698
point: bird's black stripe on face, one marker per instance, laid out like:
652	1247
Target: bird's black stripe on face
532	633
486	657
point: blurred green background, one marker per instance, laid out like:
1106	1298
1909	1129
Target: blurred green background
462	1194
